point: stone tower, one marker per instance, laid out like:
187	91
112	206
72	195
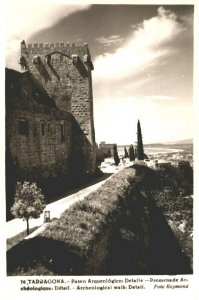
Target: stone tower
64	71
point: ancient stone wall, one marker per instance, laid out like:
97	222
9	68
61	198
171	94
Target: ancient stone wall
39	136
42	148
64	71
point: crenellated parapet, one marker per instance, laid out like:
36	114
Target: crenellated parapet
68	49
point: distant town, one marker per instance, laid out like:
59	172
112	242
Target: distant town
158	155
173	154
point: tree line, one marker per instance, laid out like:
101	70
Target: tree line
132	153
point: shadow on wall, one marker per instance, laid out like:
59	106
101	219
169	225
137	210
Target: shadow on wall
48	254
145	244
11	179
165	252
25	94
42	70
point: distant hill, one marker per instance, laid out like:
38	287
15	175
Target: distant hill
187	141
173	143
180	142
186	145
165	144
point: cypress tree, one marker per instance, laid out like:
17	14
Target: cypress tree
126	155
131	153
115	155
109	153
140	149
136	156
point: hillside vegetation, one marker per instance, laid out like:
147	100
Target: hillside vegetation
138	222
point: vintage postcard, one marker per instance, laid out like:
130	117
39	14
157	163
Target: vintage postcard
99	149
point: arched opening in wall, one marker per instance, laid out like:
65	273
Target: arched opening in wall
48	59
49	127
62	131
23	63
23	126
37	60
42	128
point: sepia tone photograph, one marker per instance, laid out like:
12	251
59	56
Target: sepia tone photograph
99	140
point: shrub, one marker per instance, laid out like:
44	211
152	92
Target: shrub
122	209
80	227
28	202
115	155
131	153
126	155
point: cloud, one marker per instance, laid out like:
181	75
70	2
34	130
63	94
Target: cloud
109	41
24	18
188	20
143	49
132	83
159	98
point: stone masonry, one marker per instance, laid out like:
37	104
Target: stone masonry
38	135
49	114
64	71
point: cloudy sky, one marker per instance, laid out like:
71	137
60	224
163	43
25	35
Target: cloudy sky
143	60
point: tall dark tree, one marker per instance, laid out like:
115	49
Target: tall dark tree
131	153
140	149
136	156
115	155
109	153
126	155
